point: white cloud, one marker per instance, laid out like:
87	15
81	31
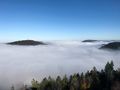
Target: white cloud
19	64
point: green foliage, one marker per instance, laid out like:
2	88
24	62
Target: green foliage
35	83
107	79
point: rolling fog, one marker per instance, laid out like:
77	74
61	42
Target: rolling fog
20	64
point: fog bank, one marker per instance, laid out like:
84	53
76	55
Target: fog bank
20	64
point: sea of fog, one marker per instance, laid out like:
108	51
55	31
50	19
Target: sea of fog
20	64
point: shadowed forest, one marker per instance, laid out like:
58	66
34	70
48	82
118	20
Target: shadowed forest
106	79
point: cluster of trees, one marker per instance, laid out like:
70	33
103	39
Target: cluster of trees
106	79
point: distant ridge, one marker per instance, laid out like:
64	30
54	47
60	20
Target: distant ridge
89	40
27	43
112	45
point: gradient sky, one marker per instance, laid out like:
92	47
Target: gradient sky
59	19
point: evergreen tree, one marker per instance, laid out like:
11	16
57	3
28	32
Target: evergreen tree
107	79
109	68
65	83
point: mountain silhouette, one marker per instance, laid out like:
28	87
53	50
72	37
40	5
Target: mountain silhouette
27	42
113	45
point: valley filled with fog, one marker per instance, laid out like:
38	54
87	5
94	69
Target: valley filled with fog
20	64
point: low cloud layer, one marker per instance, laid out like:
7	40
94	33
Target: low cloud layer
20	64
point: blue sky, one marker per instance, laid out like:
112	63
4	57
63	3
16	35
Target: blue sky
59	19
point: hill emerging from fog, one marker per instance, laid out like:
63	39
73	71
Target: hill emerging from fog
90	40
27	42
112	45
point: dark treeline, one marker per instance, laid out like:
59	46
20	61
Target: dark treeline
106	79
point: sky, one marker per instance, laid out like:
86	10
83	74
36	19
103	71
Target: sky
59	19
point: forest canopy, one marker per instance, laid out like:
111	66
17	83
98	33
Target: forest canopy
106	79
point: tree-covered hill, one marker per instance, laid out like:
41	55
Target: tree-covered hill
27	43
